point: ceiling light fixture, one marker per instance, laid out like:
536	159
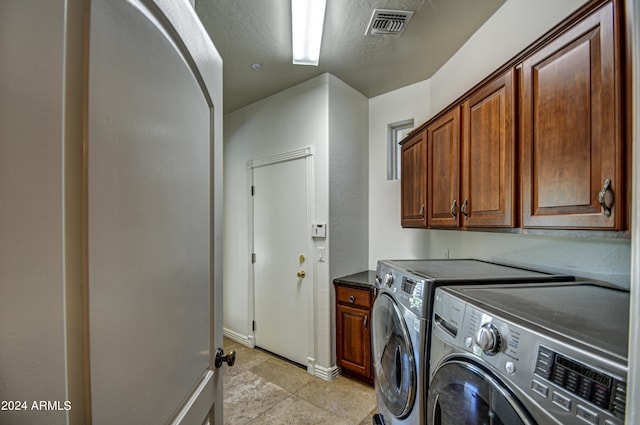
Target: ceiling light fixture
307	20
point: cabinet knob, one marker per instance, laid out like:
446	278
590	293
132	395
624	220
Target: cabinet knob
352	299
422	211
605	197
301	274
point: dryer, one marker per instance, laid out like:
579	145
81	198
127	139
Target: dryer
529	354
400	325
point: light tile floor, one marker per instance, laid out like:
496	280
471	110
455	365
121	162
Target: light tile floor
261	389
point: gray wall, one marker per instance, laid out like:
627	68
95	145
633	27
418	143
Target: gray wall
33	273
348	179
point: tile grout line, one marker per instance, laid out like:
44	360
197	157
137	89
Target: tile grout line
314	384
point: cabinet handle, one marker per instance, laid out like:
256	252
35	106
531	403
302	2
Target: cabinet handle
605	197
366	321
422	211
352	299
453	210
464	207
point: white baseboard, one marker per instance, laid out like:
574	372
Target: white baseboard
239	338
328	374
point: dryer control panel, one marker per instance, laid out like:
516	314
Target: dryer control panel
580	379
552	378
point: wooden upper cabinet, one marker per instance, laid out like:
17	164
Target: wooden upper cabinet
414	180
488	155
539	144
571	121
443	183
472	181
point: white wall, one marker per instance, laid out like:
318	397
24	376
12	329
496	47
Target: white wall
331	117
511	29
348	190
386	238
289	120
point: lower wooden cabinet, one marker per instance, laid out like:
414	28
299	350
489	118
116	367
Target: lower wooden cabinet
353	331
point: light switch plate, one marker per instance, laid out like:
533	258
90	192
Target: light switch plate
320	254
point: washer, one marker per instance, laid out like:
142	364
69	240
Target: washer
546	354
401	326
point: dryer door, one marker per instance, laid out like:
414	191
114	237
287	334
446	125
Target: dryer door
462	393
393	359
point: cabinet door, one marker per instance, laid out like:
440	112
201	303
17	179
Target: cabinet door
353	340
571	121
443	153
414	181
488	155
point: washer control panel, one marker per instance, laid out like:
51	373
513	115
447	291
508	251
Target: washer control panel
562	381
407	289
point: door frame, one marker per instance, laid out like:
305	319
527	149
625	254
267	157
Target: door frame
305	153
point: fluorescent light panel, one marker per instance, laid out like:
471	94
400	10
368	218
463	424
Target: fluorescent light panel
307	20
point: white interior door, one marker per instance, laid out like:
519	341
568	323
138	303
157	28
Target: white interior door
281	239
152	253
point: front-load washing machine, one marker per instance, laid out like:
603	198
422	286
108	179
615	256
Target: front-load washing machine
529	354
401	326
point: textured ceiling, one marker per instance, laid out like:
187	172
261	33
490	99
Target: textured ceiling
259	31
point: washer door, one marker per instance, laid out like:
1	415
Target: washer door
462	393
393	359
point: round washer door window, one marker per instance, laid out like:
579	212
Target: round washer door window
462	393
393	359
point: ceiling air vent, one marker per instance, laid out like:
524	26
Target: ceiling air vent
388	22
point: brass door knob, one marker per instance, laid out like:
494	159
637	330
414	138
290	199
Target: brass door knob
301	274
229	358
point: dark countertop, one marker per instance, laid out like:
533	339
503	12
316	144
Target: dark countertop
366	279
